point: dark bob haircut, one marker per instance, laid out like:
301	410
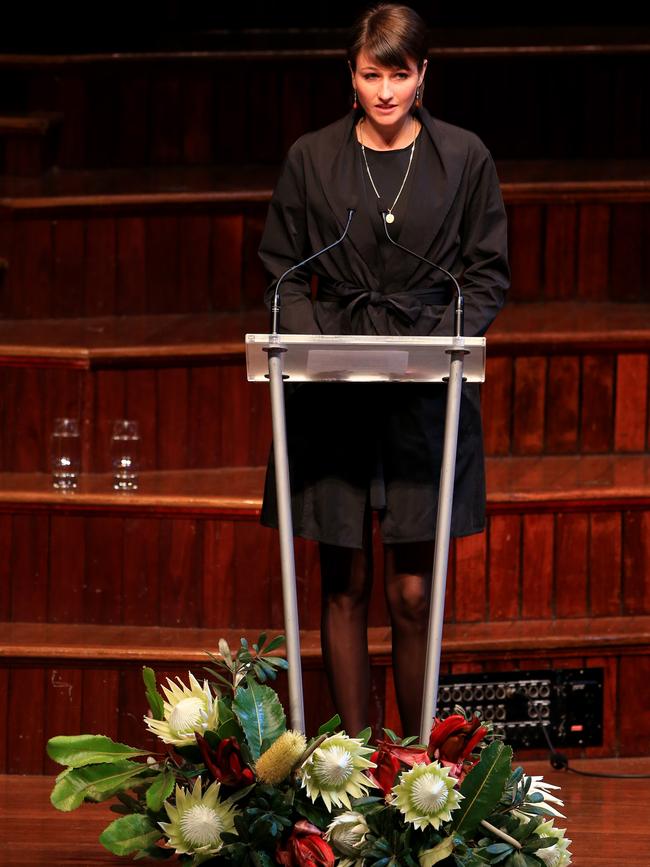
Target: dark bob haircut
391	34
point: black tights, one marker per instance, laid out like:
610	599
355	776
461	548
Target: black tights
346	585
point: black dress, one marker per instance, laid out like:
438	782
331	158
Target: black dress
379	445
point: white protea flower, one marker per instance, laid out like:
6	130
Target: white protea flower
425	794
558	854
197	821
539	786
346	833
335	771
186	711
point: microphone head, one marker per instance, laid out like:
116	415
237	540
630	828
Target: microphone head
381	207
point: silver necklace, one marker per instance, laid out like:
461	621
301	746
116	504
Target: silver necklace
390	217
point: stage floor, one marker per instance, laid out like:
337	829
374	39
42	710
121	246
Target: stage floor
607	819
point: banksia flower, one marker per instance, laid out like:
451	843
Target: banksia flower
335	771
276	763
426	795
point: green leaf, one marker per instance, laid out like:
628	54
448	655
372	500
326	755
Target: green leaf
160	790
482	788
391	734
365	735
129	834
93	783
274	643
330	725
260	715
438	853
80	750
151	691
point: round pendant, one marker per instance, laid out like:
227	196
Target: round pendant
390	218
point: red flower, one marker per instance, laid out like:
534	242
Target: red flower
306	847
226	764
389	758
453	739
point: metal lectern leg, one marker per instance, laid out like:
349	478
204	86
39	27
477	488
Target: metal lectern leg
285	524
441	555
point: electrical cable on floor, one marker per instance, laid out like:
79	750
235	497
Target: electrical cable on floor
561	763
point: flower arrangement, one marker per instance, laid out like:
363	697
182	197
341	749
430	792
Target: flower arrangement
233	787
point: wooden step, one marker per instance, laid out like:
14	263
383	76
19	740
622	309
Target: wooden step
519	484
566	538
162	106
70	680
28	142
155	242
562	378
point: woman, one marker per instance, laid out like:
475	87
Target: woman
354	448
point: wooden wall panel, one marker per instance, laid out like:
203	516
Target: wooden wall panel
631	402
166	103
571	565
560	251
63	700
131	266
537	566
132	133
593	252
496	405
6	522
605	563
180	573
562	405
633	705
504	567
197	113
141	572
68	289
100	707
173	421
195	256
31	269
596	419
29	568
636	562
100	267
25	720
629	237
103	587
529	405
471	602
163	264
67	575
227	250
109	404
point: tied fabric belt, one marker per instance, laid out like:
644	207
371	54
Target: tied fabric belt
407	306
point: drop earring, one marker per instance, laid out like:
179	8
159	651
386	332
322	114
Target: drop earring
355	104
418	101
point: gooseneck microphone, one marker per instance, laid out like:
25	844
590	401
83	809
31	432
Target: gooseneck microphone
459	323
275	308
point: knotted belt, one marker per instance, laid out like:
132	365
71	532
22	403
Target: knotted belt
407	306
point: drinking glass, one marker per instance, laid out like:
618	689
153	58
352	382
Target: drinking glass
65	453
125	454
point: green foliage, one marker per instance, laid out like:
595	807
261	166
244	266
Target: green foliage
80	750
160	790
129	834
256	660
330	726
154	698
259	826
93	783
482	788
260	715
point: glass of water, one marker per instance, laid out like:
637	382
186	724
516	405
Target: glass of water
65	453
125	454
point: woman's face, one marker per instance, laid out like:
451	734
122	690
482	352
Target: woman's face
385	93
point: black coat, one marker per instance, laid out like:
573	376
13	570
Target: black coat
383	441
